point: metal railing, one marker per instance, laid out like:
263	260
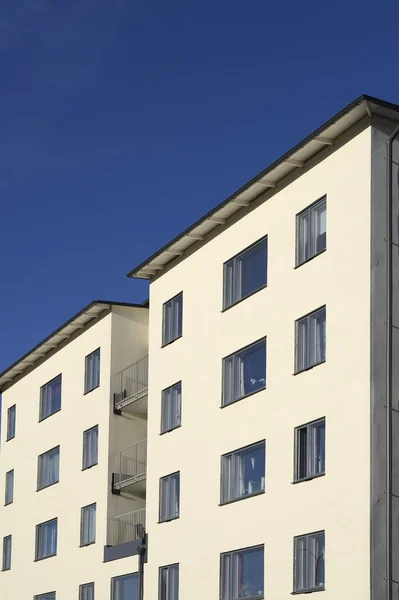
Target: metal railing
130	465
128	527
131	383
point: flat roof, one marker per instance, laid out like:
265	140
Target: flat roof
294	159
57	337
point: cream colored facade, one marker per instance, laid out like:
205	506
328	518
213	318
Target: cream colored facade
121	333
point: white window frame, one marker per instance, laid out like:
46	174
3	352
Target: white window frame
45	401
9	488
43	468
233	275
86	591
231	474
7	551
172	319
306	581
90	449
11	422
307	231
172	501
115	581
234	374
171	407
229	583
171	573
312	469
88	524
92	370
306	341
40	545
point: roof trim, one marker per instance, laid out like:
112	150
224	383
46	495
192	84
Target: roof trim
151	266
16	369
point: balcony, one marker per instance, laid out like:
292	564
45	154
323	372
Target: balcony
128	528
130	386
130	469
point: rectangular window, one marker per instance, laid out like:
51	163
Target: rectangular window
7	545
86	591
244	372
245	274
311	231
242	574
171	408
169	582
9	495
88	525
243	473
47	596
48	468
125	587
92	371
310	450
90	447
309	562
172	319
46	539
11	420
310	334
169	502
50	398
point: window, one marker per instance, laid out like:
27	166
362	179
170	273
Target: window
11	418
50	398
47	596
244	372
86	591
88	525
311	231
9	495
169	582
243	473
90	447
48	468
125	587
92	371
7	544
311	340
245	274
169	503
171	408
242	574
310	451
309	562
46	539
172	319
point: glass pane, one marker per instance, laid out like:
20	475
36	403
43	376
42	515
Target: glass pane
317	459
173	583
175	495
164	502
248	577
11	422
300	564
302	435
303	233
125	587
252	267
225	575
320	220
319	550
178	314
302	345
252	369
228	295
9	496
245	472
96	368
228	380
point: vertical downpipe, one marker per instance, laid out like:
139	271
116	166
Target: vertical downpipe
389	299
141	551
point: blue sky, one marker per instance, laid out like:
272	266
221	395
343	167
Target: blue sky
123	121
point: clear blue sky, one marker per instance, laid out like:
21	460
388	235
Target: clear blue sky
123	121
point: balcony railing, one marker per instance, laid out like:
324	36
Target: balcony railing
131	383
130	465
128	527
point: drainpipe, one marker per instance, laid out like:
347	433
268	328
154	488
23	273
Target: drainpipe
390	142
141	552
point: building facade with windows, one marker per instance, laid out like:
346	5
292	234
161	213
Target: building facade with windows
73	460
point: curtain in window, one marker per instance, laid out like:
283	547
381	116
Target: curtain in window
50	400
320	333
242	574
47	539
9	495
125	587
169	583
88	533
171	408
48	468
309	562
90	447
86	592
11	414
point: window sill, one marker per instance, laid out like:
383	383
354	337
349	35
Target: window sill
308	478
170	430
305	262
169	520
309	591
85	545
242	498
91	390
244	298
309	368
89	467
44	558
244	397
48	416
4	570
171	341
9	503
10	438
47	486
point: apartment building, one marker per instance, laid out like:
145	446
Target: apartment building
73	459
260	439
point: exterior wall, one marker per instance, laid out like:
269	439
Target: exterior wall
339	390
73	565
